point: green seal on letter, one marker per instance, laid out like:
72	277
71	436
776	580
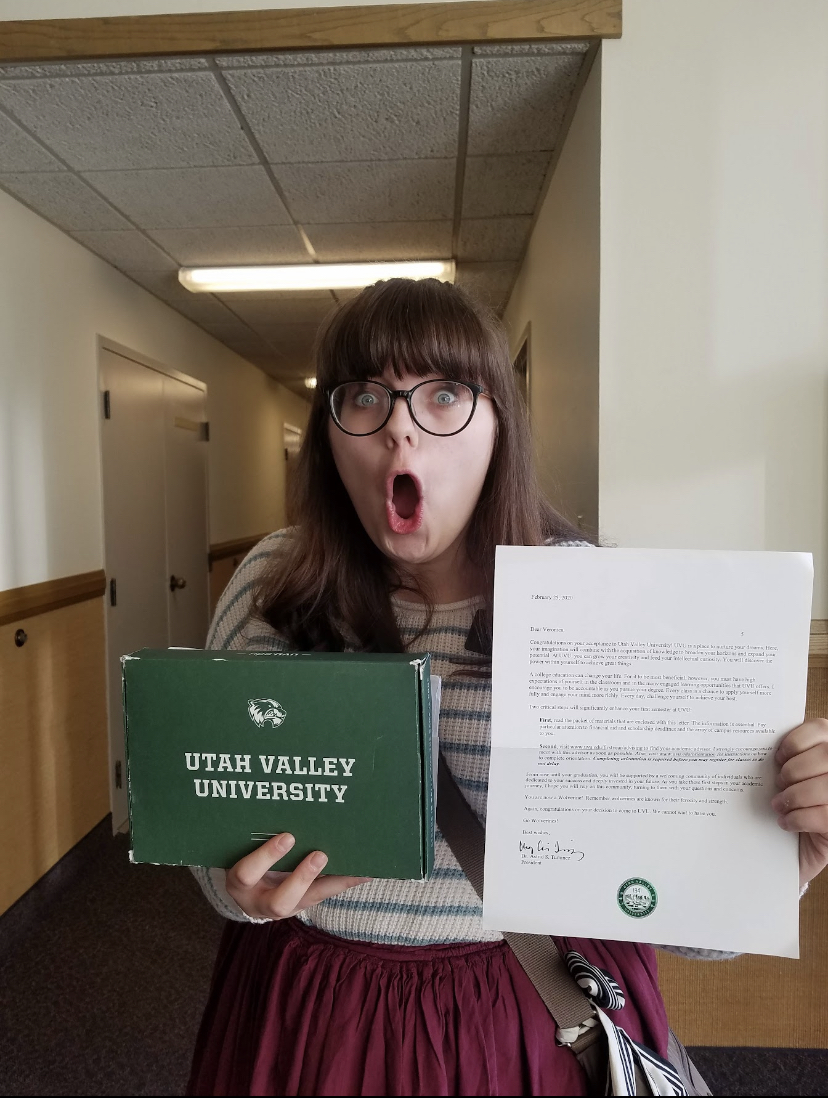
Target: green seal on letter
637	897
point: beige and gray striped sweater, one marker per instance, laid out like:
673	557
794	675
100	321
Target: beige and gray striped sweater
446	908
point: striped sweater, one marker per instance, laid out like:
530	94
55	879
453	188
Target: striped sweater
445	908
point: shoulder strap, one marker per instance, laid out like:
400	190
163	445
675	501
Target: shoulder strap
537	953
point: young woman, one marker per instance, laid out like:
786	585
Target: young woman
416	464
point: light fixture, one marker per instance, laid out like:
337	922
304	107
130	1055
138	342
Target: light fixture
310	382
308	276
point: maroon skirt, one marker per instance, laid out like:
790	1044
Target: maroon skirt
295	1011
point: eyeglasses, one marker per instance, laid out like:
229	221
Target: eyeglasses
437	407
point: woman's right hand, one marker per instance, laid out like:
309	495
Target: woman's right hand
265	894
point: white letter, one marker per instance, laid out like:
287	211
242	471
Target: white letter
205	783
263	791
191	755
330	768
219	788
279	791
267	762
246	789
296	792
208	765
243	763
347	765
340	791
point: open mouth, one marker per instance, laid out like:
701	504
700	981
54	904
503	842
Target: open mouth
404	503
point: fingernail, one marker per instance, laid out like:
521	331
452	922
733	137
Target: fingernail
777	803
286	841
318	860
783	823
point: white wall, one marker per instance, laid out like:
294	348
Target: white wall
55	299
557	292
714	278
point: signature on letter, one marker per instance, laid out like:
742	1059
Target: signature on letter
550	850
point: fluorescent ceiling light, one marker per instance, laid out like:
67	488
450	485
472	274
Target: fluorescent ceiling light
308	276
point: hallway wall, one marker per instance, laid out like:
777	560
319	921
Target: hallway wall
557	294
714	278
55	299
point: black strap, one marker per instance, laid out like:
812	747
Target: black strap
538	954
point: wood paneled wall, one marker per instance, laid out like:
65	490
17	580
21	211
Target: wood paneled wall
769	1002
53	740
225	557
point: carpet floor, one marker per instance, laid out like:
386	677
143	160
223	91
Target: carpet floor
104	971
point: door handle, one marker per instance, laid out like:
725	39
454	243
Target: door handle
177	582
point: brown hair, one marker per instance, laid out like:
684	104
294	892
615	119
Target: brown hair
333	587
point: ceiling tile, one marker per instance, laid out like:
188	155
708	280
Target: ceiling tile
149	121
517	103
202	308
528	49
352	112
21	153
493	238
227	330
128	250
358	191
64	199
103	68
488	282
239	244
181	198
381	241
293	338
503	186
279	308
289	59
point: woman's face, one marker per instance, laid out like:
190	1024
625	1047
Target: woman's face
414	492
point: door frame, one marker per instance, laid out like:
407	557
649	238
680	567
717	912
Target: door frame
414	24
104	343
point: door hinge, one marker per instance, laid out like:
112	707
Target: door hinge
113	593
119	782
107	405
205	431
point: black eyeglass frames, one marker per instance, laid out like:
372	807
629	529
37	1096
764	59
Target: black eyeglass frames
438	407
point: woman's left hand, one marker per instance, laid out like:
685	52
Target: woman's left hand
803	803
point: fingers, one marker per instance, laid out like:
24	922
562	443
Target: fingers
812	793
249	870
808	764
326	887
802	738
284	900
812	820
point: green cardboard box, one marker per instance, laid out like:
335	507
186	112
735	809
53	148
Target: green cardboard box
227	748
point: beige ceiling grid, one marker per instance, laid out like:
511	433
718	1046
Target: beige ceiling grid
409	153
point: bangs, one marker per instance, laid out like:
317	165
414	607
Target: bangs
422	327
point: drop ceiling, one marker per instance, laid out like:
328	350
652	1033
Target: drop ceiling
333	156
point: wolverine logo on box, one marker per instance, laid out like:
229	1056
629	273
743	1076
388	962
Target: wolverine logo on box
262	710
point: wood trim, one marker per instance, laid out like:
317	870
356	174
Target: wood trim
40	598
235	548
308	28
818	648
